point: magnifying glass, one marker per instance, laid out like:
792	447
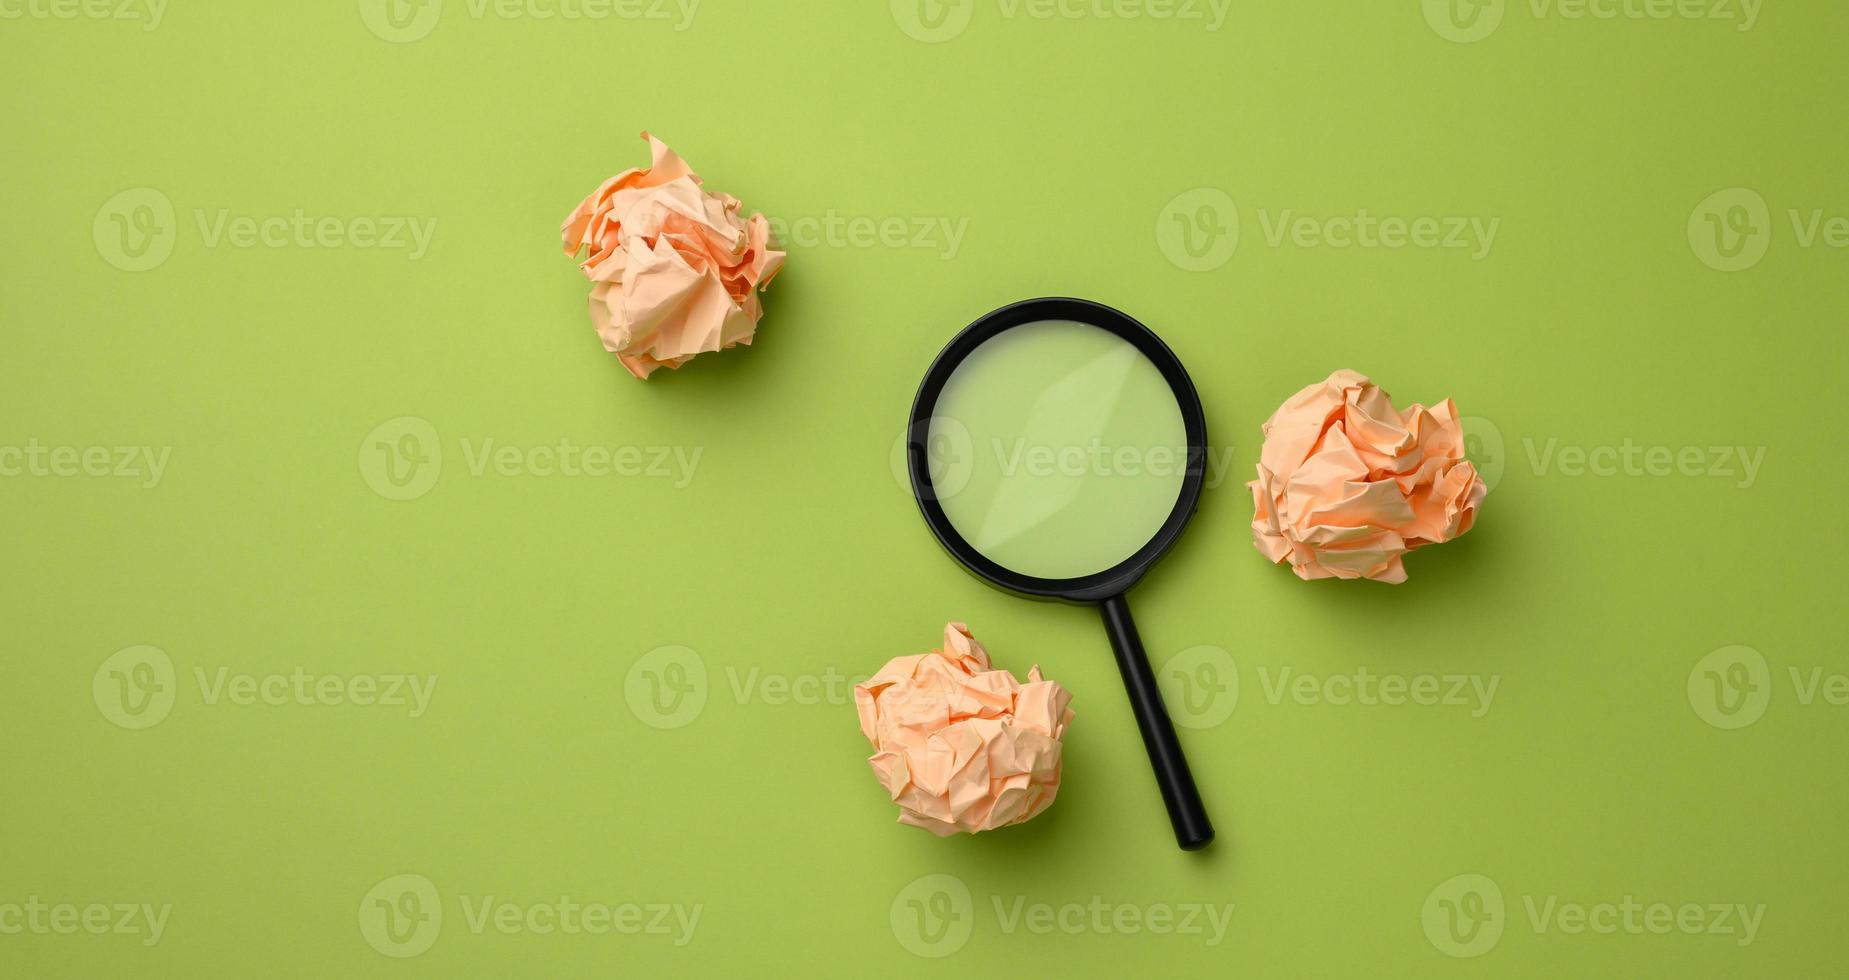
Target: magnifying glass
1057	448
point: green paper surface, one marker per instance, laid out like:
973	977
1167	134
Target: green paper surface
367	618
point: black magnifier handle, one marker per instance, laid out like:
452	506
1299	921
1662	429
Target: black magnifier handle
1193	830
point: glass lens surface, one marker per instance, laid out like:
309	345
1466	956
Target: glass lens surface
1075	447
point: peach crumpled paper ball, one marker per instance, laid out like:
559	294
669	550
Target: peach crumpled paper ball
1347	484
676	271
959	745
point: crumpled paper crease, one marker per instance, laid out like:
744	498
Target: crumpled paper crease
676	271
959	745
1347	484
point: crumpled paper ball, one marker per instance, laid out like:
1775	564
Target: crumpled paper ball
1347	484
676	270
959	745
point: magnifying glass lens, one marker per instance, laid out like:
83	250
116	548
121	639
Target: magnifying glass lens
1075	445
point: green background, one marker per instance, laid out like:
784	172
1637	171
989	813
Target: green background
795	552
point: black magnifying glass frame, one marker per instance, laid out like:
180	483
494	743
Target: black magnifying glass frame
1106	588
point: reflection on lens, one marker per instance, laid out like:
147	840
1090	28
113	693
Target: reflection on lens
1078	449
